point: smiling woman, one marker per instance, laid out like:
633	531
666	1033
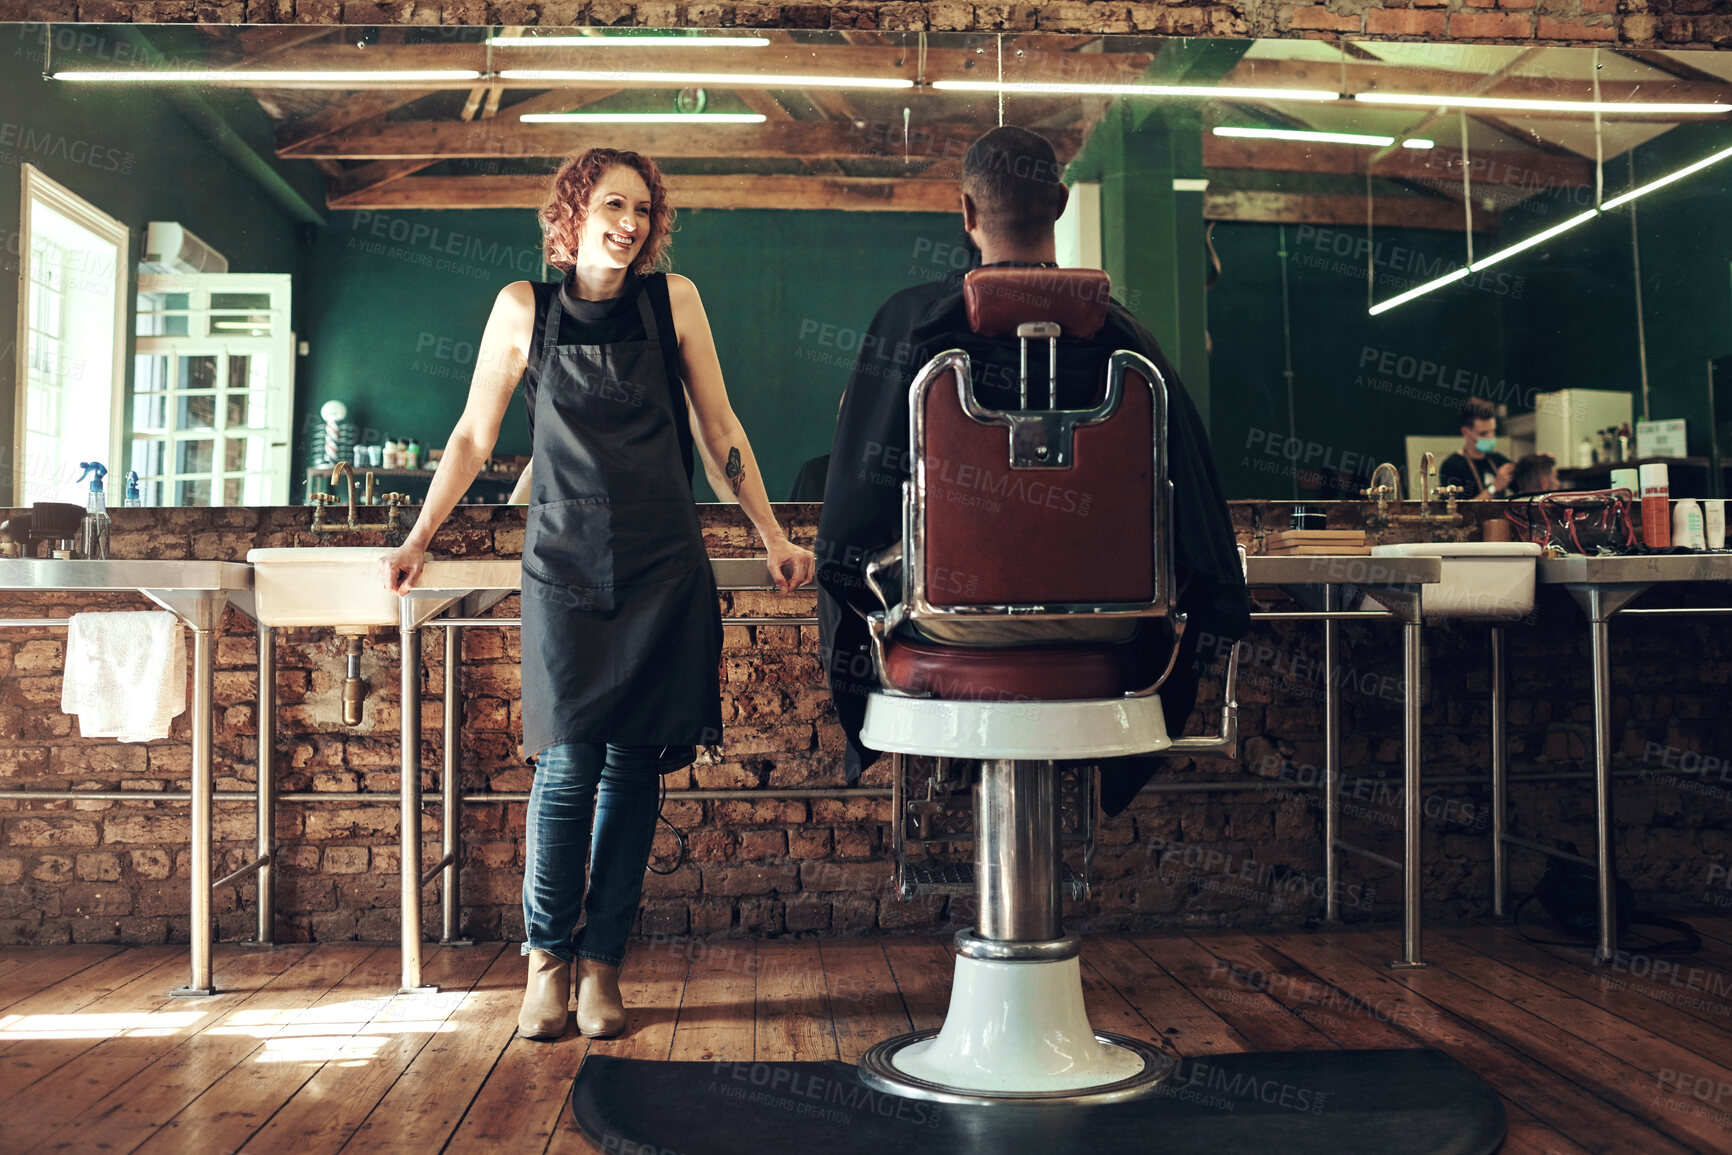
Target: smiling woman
621	630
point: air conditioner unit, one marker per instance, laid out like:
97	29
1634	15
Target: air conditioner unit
170	247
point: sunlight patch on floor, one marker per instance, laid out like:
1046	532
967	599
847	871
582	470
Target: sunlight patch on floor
119	1025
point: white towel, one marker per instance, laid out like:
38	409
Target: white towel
125	674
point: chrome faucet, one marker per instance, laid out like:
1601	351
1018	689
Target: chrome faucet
344	469
1386	481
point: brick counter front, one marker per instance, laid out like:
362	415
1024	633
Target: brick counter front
763	865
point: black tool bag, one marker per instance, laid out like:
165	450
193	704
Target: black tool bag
1588	522
1569	893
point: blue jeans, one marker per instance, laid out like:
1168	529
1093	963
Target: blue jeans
580	786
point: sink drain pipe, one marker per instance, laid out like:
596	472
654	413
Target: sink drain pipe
354	689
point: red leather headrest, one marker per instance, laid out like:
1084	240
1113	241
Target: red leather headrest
1001	299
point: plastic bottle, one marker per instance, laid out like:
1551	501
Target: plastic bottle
1687	525
1714	523
1656	506
412	455
133	499
96	524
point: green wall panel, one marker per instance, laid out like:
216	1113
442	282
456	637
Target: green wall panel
397	303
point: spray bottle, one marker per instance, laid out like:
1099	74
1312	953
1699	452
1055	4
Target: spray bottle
133	500
96	523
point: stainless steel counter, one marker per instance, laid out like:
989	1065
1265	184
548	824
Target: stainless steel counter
197	592
1637	569
39	574
1604	587
1361	571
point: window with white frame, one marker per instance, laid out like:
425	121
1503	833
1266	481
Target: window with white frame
72	326
212	389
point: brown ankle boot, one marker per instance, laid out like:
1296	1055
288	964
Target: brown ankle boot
547	997
600	1011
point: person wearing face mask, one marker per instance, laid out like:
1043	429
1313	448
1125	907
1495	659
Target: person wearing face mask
621	626
1478	468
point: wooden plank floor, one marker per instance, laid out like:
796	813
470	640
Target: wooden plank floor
309	1049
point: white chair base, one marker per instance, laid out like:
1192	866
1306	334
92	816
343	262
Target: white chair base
1092	728
1016	1030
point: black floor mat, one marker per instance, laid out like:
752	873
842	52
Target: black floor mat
1413	1102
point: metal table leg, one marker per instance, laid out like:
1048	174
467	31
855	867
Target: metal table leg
201	611
409	636
267	788
1412	639
1599	637
1331	762
451	808
1499	778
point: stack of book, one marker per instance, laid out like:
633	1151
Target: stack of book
1303	542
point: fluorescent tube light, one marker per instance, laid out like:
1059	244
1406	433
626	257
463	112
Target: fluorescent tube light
1547	234
628	41
253	76
1419	291
1536	239
643	118
1300	134
1516	104
699	79
1418	142
1643	190
1066	88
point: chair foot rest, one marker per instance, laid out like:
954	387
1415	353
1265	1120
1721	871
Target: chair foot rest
958	878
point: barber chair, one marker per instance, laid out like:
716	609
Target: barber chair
1036	542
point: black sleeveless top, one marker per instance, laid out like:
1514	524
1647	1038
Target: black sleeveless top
606	323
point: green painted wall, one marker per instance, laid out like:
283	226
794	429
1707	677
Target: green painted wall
132	155
1686	253
397	301
1360	383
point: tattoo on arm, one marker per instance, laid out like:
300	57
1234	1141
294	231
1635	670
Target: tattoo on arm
735	470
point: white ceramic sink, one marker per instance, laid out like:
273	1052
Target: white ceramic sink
335	585
1485	580
338	585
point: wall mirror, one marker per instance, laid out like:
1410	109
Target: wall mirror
214	232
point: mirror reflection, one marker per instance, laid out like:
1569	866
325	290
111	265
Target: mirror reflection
246	253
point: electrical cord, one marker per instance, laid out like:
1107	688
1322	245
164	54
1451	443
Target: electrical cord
680	835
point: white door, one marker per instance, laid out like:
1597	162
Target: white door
213	389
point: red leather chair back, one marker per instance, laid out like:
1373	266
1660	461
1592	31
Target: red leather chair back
1079	536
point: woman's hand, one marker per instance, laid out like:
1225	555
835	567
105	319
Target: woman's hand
401	568
791	566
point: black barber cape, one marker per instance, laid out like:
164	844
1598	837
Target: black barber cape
869	461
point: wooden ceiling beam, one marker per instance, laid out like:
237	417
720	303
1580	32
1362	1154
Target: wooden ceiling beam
900	62
792	140
856	194
356	109
1264	207
1502	167
1355	77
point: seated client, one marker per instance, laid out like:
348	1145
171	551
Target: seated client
1011	198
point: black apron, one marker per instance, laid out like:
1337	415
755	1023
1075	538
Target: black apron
622	630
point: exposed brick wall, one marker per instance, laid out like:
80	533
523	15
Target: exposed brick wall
1651	23
117	871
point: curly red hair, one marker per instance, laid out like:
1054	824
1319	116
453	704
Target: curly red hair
567	205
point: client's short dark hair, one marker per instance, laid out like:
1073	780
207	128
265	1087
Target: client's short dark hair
1016	183
1531	472
1474	409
